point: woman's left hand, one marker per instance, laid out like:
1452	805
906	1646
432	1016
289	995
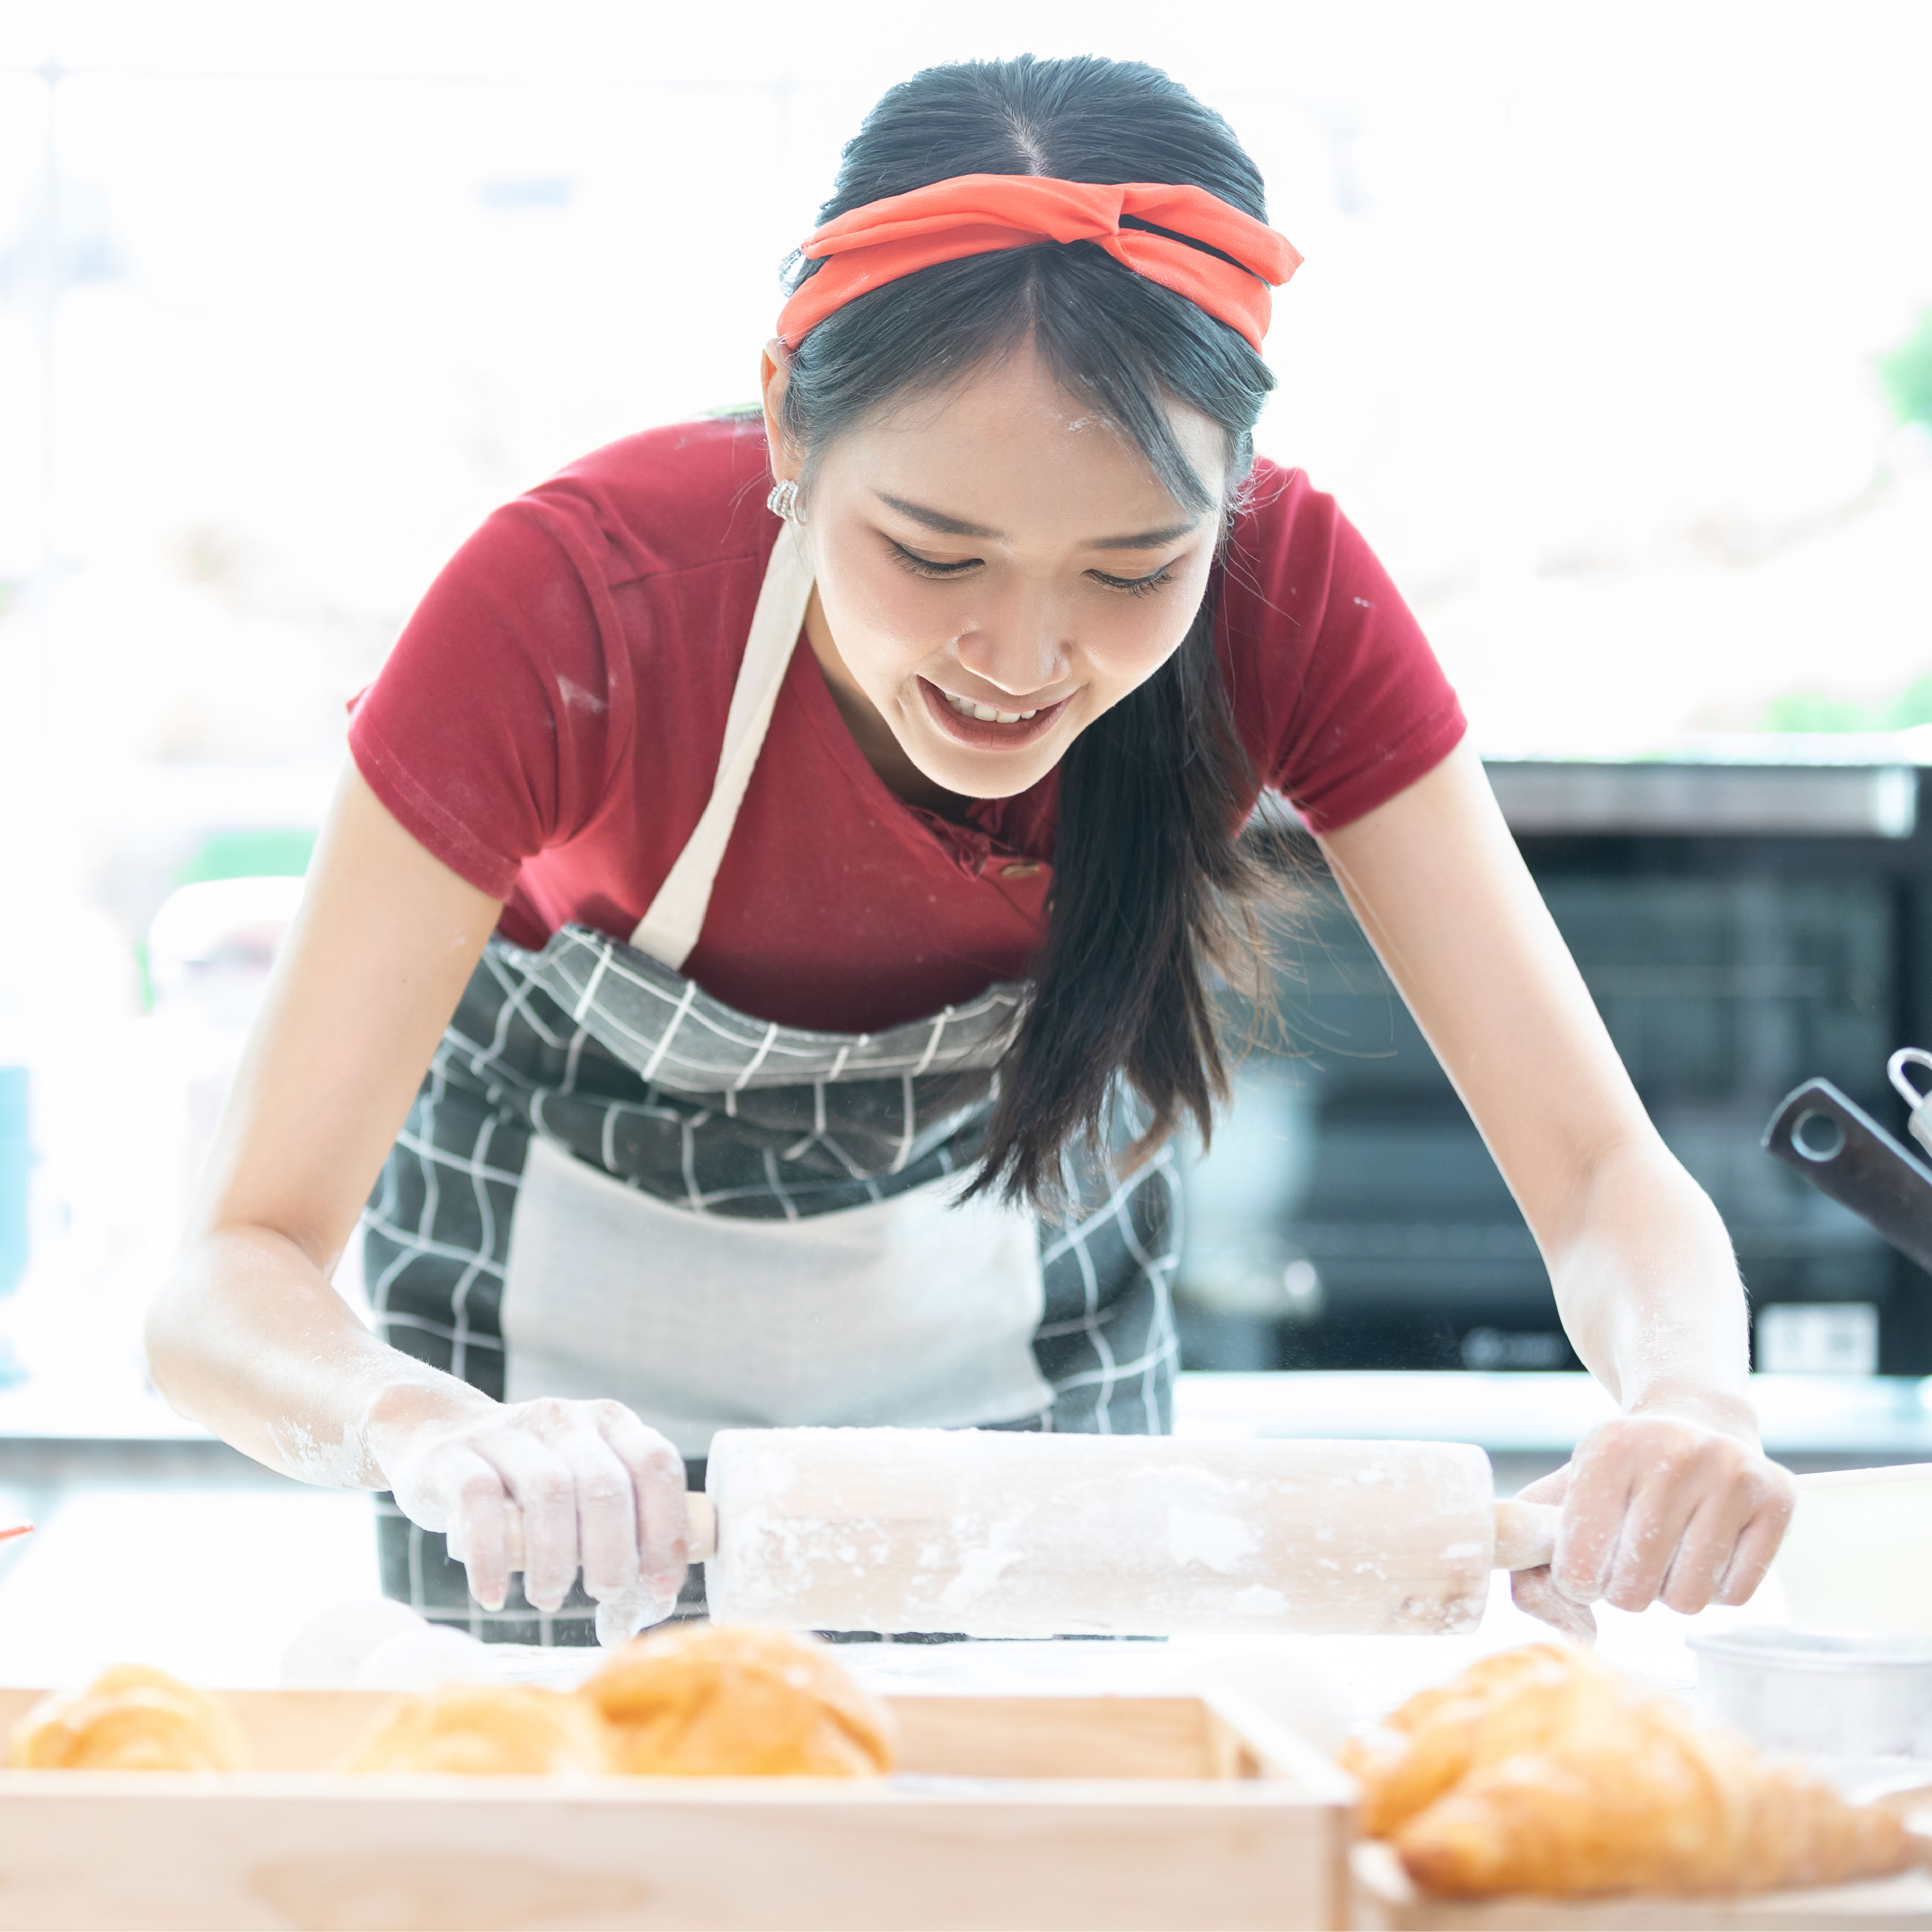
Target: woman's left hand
1664	1505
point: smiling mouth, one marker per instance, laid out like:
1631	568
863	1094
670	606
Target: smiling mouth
984	726
986	713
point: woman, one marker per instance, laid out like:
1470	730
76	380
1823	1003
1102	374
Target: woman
733	965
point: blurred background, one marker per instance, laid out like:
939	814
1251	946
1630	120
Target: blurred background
1615	336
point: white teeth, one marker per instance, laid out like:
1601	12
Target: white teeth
986	713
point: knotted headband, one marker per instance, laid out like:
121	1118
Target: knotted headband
978	214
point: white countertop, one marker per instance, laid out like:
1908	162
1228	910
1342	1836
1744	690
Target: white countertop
210	1578
212	1585
1886	1418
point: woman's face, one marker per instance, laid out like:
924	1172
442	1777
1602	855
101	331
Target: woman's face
996	569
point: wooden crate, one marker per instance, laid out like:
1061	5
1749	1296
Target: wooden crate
1035	1812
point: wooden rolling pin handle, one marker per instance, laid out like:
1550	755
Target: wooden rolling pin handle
701	1537
1526	1534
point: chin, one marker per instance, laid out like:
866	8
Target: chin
989	775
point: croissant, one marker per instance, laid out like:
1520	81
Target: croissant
130	1718
719	1701
486	1730
1563	1777
1425	1747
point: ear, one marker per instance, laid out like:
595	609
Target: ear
774	372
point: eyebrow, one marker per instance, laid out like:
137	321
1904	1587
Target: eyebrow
957	526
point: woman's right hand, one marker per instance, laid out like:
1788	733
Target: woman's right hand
249	1337
598	1491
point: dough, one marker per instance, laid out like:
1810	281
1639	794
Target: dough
488	1730
720	1701
1543	1771
130	1718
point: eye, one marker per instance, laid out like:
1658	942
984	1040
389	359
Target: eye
1136	587
926	566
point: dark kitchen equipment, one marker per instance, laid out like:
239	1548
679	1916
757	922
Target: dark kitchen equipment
1844	1152
1740	927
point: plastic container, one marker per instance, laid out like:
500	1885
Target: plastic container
1859	1553
1843	1694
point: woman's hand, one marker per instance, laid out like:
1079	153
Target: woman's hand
1665	1504
1674	1499
597	1489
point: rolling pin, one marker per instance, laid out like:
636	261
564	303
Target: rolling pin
1004	1534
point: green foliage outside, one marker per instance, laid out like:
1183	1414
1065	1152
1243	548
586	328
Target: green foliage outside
278	854
1906	373
1819	711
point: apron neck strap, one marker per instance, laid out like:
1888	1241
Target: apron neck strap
669	927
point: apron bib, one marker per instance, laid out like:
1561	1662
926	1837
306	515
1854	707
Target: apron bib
909	1311
613	1184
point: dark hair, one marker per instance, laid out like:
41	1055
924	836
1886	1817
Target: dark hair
1147	870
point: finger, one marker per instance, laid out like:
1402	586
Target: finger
1756	1546
1655	1519
620	1618
606	1513
539	1481
1593	1505
1536	1594
1549	1488
1704	1552
475	1535
657	1477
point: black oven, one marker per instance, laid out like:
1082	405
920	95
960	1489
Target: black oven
1740	927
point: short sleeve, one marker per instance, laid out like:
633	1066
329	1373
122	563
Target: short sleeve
487	733
1338	697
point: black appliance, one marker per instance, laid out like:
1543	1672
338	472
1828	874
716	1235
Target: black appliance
1741	927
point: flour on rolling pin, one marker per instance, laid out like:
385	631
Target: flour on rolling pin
993	1533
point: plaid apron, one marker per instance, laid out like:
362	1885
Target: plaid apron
608	1051
634	1068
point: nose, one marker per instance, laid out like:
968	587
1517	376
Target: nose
1021	645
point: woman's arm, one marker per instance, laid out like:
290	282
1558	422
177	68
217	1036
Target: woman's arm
250	1338
1675	1498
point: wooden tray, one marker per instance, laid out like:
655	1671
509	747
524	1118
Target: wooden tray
1023	1812
1385	1899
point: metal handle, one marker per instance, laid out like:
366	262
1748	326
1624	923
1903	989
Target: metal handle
1844	1152
1921	1104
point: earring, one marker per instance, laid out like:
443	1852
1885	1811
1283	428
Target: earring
783	502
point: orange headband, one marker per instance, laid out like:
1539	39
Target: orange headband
978	214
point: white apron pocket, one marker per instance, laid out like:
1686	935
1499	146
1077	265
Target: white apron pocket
909	1312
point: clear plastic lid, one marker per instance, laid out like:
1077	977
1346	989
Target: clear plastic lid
1796	1649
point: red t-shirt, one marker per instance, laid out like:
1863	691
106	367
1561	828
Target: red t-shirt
549	724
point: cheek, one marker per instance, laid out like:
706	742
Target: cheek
1125	646
880	614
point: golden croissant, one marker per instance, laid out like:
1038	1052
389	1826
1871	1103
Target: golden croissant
719	1701
1426	1746
130	1718
1543	1771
